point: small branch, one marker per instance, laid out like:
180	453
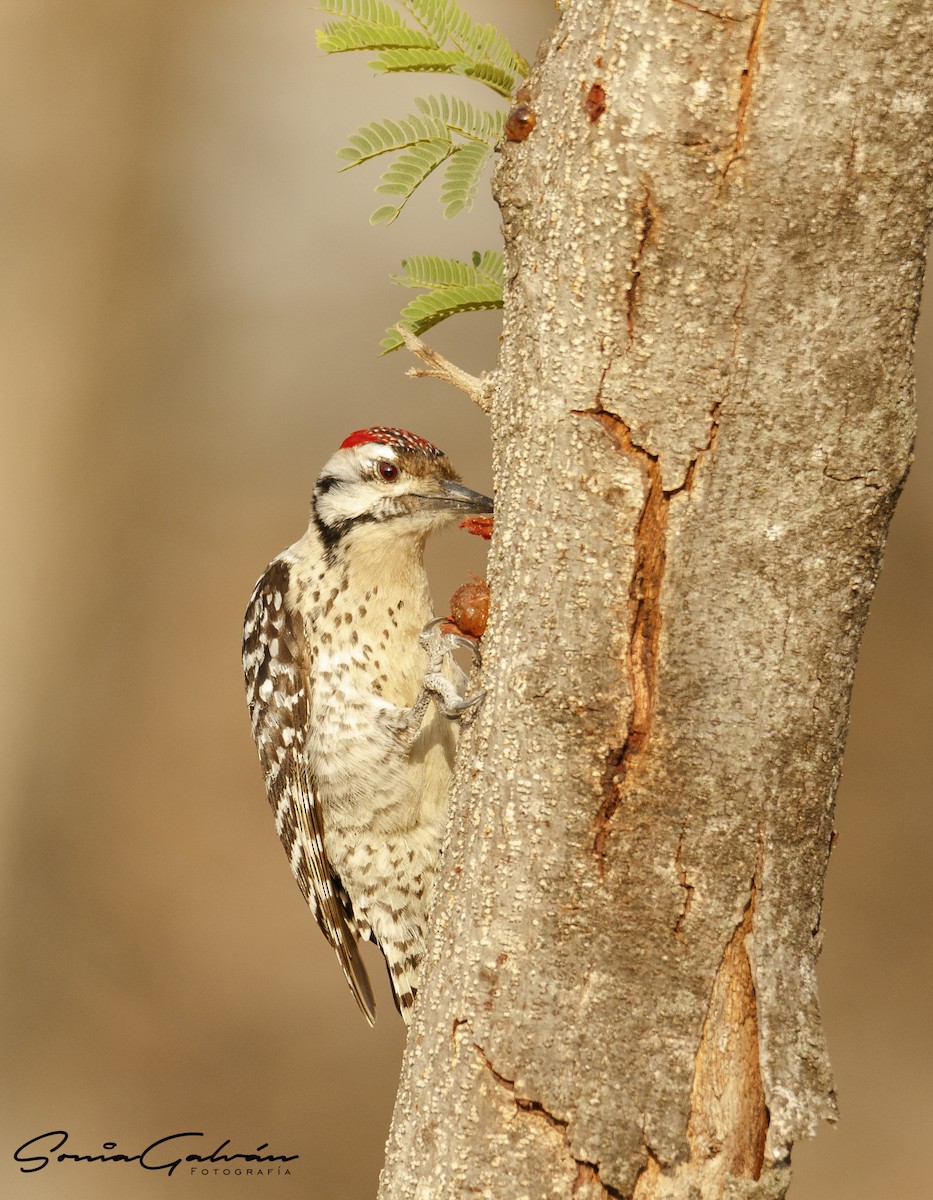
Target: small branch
478	388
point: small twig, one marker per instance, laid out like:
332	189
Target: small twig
478	388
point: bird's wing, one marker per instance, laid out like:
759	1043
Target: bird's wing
275	665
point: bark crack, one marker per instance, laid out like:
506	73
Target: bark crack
862	479
648	1178
729	1116
588	1177
650	546
712	436
709	447
587	1172
647	218
650	543
708	12
749	73
688	888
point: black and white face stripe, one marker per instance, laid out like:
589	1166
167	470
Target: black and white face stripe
350	492
332	535
349	485
371	483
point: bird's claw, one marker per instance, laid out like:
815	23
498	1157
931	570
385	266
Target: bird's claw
438	646
426	635
458	641
462	706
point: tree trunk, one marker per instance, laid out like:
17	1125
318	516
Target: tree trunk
702	418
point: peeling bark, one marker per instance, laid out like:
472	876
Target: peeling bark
645	620
728	1122
702	416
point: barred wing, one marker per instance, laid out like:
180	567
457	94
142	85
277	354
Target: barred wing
275	665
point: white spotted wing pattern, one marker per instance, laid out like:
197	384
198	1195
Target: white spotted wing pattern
276	670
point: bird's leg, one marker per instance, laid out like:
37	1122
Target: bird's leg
444	691
406	722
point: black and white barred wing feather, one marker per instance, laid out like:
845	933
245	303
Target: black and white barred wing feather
275	664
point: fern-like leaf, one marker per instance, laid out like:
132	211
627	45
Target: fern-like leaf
381	137
431	308
338	37
443	39
444	62
433	273
500	79
437	17
425	140
445	19
406	173
446	40
491	265
377	12
413	167
462	177
461	117
429	271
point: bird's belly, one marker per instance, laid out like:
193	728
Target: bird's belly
367	779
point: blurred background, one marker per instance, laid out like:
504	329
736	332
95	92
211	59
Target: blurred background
189	312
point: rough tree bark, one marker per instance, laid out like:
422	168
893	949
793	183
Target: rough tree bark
702	417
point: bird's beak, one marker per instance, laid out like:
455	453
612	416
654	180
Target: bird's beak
463	499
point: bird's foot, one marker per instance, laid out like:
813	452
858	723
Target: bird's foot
439	644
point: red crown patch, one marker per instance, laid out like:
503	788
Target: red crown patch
398	439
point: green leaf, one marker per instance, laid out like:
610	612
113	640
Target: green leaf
378	12
341	36
385	215
423	141
413	167
409	170
435	16
433	307
462	177
500	79
428	271
448	40
443	39
445	19
491	265
383	136
460	117
433	273
449	62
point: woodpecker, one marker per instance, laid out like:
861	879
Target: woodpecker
354	699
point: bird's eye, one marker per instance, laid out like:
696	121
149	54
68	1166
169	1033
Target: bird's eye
387	470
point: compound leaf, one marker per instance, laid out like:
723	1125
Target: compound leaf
431	308
462	177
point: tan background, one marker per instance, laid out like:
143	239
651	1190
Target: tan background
190	300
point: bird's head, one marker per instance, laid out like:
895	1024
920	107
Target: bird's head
394	479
